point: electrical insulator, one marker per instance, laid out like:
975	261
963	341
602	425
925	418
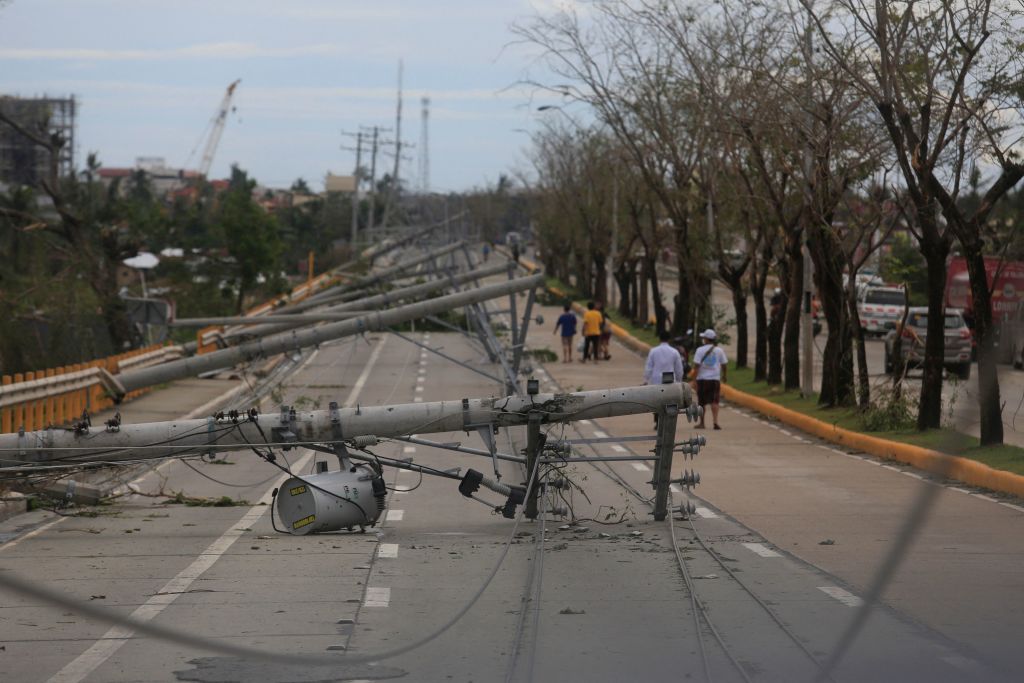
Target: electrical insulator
365	441
559	510
561	449
694	412
687	508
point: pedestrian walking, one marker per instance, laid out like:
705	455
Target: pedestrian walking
710	366
567	324
591	332
606	333
487	251
661	359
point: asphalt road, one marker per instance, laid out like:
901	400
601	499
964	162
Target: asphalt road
747	582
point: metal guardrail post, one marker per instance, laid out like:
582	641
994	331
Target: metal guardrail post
6	414
663	449
19	410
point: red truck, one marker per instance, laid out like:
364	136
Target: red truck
1007	299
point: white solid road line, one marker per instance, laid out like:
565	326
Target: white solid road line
377	597
87	662
387	550
395	515
843	596
674	488
618	449
760	549
35	532
599	434
365	374
984	497
1018	508
706	513
640	467
409	449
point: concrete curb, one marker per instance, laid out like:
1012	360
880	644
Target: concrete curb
952	466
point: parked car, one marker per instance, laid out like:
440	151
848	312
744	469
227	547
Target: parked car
880	306
957	358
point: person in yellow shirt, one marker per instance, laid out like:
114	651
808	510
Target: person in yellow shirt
591	332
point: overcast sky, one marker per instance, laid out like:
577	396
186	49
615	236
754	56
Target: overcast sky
149	75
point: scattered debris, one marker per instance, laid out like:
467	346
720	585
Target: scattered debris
570	610
827	541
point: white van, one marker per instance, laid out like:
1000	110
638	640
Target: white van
878	306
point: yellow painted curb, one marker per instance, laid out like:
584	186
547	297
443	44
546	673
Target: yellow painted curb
952	466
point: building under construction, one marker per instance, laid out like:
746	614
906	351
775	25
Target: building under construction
22	161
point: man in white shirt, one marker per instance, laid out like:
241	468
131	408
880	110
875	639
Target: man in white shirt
710	361
663	358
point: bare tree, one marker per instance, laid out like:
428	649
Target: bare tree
944	77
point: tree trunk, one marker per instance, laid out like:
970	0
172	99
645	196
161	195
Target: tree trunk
642	312
739	302
795	286
837	361
988	379
660	314
929	415
760	328
863	379
600	278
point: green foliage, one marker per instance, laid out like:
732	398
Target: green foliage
890	410
250	235
904	263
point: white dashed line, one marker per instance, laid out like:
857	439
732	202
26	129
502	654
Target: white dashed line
760	549
618	449
843	596
418	399
1018	508
891	468
585	422
785	432
421	371
706	513
419	389
912	474
409	449
387	550
599	434
640	467
420	380
958	490
984	497
674	488
395	515
377	597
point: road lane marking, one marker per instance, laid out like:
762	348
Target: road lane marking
891	468
640	467
912	474
365	374
706	513
618	449
843	596
409	449
585	422
958	489
418	399
395	515
35	532
674	488
377	597
760	549
420	380
984	497
599	434
87	662
388	550
1018	508
419	389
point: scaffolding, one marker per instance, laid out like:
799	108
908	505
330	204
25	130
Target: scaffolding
22	161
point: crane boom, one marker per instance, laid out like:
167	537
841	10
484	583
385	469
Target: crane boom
220	118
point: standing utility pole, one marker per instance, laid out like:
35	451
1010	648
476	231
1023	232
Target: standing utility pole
425	146
392	195
356	176
373	181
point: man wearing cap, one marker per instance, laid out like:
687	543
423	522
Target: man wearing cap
710	362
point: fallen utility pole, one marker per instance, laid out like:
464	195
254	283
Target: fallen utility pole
367	303
290	427
297	339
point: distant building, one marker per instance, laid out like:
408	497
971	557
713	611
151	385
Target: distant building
22	162
345	184
164	180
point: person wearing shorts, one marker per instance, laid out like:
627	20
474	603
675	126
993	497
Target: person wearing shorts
591	333
606	334
711	363
567	323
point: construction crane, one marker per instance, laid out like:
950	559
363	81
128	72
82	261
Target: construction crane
216	129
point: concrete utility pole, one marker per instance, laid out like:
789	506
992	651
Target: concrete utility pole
393	189
355	190
297	339
161	439
373	184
